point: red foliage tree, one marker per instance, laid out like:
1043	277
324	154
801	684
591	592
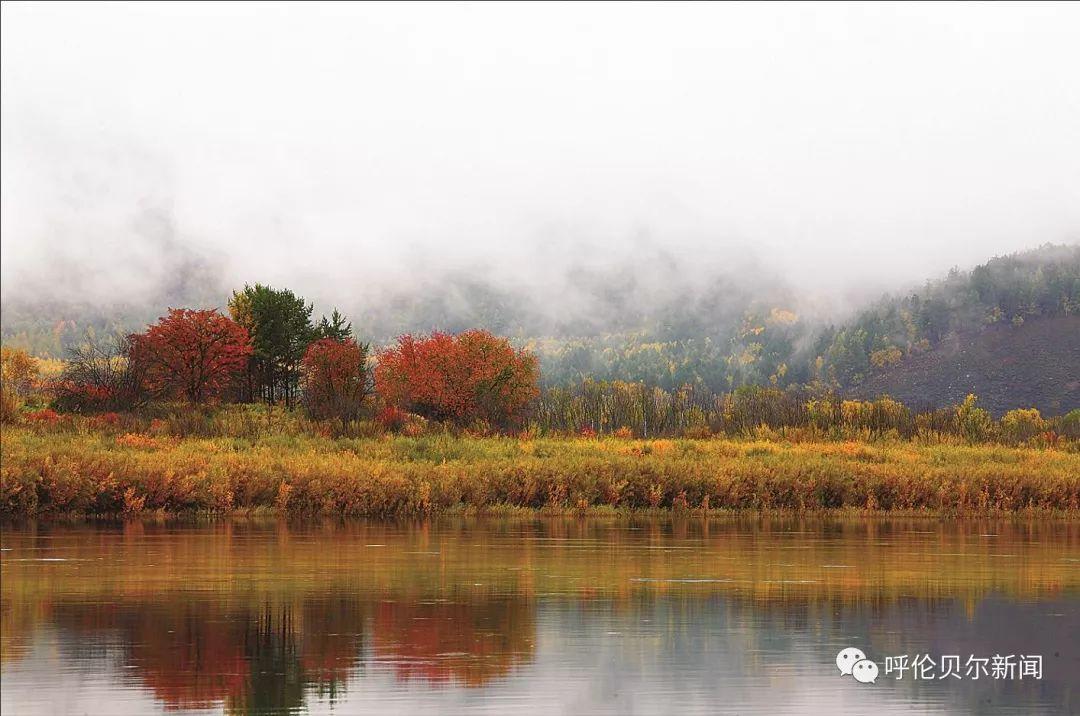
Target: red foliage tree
336	378
190	355
464	378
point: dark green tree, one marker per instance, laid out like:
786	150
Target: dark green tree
336	327
281	329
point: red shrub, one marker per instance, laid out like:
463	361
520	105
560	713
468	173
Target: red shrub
43	417
464	378
391	418
72	395
105	420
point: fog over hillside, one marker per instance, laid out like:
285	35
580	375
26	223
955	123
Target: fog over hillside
580	169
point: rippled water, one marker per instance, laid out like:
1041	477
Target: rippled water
556	615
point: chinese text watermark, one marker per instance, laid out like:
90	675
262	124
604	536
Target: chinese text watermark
853	662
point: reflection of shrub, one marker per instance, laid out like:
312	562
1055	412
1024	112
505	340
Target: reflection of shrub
471	643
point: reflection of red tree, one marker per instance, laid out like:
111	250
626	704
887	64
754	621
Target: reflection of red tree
472	642
188	657
194	653
193	675
332	639
201	654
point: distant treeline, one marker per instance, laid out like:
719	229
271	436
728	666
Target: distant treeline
772	345
633	410
716	339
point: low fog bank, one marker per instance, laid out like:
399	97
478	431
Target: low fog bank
555	282
557	285
539	170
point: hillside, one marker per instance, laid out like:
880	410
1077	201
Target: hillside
1007	290
1036	364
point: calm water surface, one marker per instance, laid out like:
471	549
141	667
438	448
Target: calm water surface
557	615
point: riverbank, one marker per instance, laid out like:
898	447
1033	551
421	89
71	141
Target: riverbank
98	473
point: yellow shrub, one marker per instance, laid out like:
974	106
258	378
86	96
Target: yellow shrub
1021	425
18	376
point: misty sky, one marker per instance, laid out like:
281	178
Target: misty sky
337	148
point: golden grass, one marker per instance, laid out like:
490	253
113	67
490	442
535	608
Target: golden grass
98	472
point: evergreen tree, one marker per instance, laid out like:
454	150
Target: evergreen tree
281	329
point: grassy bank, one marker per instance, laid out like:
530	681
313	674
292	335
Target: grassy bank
98	472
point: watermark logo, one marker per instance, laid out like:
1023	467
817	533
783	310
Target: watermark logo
865	671
847	658
853	662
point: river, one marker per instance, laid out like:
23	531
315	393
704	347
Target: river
609	615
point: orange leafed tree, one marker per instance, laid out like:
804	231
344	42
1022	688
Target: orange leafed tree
336	378
464	378
191	355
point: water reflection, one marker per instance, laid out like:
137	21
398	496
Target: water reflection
557	615
471	642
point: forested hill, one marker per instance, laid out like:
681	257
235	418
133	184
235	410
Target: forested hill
1008	330
1035	364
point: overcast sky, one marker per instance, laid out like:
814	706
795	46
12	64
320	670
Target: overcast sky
333	147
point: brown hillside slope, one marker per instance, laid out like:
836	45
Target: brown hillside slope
1036	365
